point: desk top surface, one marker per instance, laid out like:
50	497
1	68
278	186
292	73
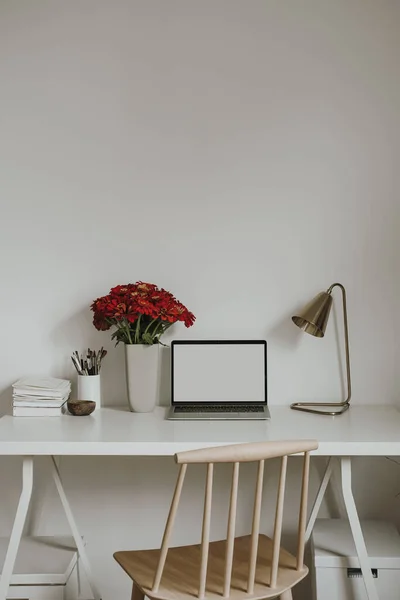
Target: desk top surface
361	431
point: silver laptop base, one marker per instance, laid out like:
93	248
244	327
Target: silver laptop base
219	416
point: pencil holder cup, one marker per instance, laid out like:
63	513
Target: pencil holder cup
89	388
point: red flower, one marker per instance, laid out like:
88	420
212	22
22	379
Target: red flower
123	306
100	323
119	290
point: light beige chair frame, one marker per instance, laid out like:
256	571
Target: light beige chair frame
236	454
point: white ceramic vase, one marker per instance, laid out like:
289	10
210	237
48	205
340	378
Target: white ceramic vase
142	376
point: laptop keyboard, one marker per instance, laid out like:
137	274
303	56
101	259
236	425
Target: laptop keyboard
220	408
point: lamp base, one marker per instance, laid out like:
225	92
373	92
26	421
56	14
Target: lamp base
307	407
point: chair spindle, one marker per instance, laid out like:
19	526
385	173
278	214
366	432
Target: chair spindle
303	512
168	527
205	534
230	538
278	523
255	527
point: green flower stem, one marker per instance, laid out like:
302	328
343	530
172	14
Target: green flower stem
154	333
149	325
128	331
130	335
163	325
137	332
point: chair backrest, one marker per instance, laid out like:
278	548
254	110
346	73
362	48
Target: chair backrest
236	454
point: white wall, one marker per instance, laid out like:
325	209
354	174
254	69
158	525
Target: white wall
243	155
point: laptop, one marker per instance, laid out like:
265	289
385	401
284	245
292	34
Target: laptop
218	380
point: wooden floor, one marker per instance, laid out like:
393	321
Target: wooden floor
180	580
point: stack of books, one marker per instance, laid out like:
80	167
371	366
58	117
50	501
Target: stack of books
40	397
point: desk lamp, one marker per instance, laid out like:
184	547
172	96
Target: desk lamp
313	319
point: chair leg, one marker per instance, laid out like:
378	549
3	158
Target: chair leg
286	595
136	593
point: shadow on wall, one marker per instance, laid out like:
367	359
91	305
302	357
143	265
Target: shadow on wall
285	333
5	401
165	376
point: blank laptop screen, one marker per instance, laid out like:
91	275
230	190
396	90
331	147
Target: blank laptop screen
218	372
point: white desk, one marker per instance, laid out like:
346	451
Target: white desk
361	431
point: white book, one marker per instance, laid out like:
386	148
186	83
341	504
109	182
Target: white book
24	411
41	393
27	394
42	386
38	402
26	397
41	399
49	383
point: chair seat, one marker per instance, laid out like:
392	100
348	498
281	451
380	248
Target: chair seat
180	580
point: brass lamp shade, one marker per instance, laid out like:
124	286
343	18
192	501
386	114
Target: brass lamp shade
313	319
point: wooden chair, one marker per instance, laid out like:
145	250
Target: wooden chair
252	567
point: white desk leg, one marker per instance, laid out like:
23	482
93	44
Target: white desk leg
319	497
18	527
356	528
74	529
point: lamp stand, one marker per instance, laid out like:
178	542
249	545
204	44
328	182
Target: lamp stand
338	408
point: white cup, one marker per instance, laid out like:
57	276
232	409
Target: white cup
89	388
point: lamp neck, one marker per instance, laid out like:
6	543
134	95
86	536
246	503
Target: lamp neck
346	336
329	290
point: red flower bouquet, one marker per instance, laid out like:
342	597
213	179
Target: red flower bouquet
141	312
